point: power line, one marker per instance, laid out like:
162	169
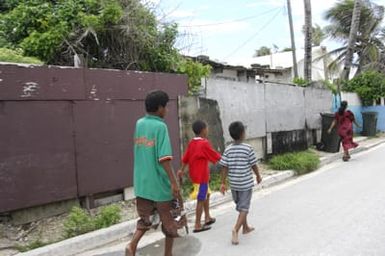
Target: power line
254	35
231	21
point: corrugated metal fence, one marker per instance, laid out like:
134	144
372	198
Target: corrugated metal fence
67	133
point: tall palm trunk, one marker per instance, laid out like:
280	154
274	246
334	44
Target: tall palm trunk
352	39
308	41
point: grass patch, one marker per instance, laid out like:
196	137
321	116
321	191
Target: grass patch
31	246
80	221
301	162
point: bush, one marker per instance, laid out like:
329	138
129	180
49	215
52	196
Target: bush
80	221
369	85
108	216
301	162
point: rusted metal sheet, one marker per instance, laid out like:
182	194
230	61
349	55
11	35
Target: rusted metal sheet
67	132
104	141
116	84
40	83
36	154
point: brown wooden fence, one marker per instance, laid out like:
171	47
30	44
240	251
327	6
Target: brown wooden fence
67	133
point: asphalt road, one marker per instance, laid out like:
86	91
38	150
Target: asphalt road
338	210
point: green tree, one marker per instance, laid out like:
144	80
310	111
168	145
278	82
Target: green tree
369	44
262	51
369	85
122	34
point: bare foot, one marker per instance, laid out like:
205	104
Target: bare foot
234	238
247	230
130	251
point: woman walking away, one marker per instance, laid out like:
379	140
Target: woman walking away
344	120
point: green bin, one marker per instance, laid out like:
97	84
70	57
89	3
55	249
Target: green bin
369	127
330	142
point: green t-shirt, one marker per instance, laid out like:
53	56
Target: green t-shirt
152	145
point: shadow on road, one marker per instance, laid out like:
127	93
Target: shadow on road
186	246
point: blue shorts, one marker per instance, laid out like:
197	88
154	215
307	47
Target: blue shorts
200	191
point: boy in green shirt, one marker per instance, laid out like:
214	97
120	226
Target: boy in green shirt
154	182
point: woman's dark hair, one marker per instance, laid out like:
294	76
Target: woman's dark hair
236	130
344	105
155	99
198	126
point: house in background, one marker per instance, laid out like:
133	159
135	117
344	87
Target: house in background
223	71
278	67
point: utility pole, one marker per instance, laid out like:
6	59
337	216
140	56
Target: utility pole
295	68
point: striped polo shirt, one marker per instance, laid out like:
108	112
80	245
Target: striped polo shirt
239	158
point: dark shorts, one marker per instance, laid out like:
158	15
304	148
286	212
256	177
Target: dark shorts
242	199
146	208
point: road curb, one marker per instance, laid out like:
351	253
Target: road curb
92	240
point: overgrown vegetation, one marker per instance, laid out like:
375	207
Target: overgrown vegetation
80	221
120	34
369	85
301	162
16	56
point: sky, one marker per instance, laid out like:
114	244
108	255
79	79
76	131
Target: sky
231	30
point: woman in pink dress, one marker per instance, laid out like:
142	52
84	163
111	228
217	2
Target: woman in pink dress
344	120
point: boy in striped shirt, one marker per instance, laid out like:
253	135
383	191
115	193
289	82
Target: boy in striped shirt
238	161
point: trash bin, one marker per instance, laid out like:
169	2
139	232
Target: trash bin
369	127
330	142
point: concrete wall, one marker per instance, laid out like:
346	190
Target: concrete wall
316	101
239	102
285	108
279	118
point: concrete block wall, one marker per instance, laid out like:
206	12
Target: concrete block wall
279	117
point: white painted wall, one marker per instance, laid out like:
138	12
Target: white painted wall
285	108
267	108
239	102
316	101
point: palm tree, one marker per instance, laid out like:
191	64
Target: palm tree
369	44
317	36
352	39
308	41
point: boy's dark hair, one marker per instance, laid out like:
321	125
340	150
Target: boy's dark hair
155	99
198	126
236	130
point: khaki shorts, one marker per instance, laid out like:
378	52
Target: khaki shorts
146	208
